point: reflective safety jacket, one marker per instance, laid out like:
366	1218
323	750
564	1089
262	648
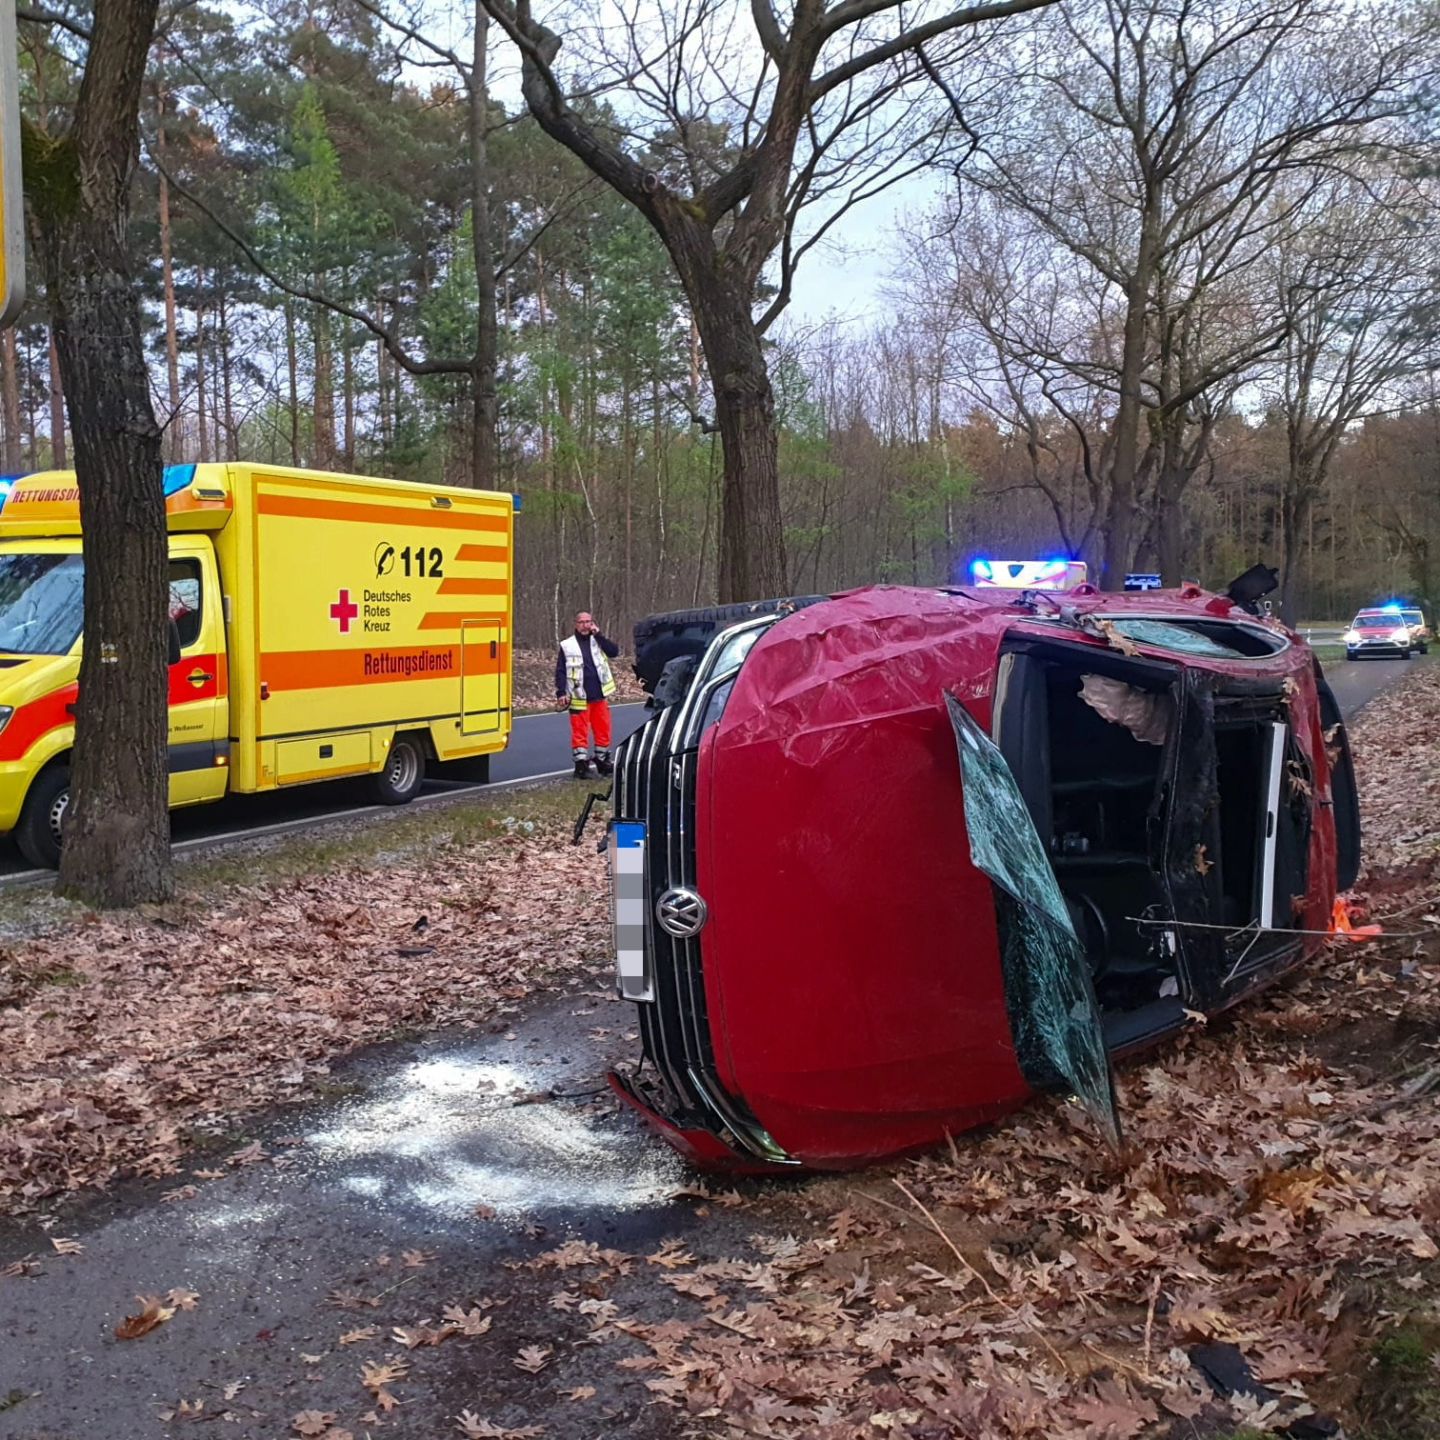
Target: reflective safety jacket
571	669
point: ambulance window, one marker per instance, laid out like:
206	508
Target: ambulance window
185	600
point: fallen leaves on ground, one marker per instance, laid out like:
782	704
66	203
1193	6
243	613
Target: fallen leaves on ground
174	1020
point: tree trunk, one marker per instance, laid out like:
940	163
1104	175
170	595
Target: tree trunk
752	533
10	400
231	451
1120	515
322	449
202	423
486	417
59	460
1294	512
172	339
347	381
292	364
117	846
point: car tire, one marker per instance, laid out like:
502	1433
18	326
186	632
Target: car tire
399	782
659	639
1350	655
39	834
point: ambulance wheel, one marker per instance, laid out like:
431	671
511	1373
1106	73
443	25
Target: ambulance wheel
42	820
404	773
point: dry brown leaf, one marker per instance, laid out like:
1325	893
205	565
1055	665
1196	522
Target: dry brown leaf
467	1322
533	1358
312	1422
153	1312
183	1299
473	1427
66	1247
354	1337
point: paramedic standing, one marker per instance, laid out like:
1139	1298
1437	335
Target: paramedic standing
584	684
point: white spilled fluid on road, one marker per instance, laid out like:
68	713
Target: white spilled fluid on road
446	1135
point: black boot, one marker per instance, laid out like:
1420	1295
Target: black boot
582	769
604	766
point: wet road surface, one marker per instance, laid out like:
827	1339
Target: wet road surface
371	1197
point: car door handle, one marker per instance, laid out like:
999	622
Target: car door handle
199	677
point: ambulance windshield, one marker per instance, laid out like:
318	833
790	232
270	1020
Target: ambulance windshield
41	603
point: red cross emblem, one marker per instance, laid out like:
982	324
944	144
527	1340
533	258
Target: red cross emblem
343	611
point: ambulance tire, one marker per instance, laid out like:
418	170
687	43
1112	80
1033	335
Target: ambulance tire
404	773
659	639
42	817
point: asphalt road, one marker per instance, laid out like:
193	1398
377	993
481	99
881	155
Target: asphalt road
286	1258
1355	682
539	746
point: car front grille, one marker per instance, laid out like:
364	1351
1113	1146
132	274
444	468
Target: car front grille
657	787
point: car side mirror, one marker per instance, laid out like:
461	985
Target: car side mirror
174	643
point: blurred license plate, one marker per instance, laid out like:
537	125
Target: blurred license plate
628	894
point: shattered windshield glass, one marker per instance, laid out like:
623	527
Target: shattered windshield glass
1053	1013
1176	637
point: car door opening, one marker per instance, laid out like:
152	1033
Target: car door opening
1156	800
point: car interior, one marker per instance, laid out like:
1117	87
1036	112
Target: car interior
1141	822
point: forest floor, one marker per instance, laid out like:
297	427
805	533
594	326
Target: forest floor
300	1155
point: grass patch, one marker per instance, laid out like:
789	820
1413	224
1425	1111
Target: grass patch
60	975
1400	1395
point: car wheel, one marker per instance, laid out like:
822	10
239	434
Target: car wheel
659	639
404	773
42	820
1350	655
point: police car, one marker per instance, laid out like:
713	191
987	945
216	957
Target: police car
1387	630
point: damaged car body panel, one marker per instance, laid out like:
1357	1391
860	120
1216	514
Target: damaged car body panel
912	855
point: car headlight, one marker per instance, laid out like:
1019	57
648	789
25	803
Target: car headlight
6	711
1400	637
1352	637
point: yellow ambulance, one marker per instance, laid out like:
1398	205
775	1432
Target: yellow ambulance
325	625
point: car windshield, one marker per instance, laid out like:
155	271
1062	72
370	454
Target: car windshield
41	603
1412	617
1378	622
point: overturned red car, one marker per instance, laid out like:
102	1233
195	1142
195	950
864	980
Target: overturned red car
887	863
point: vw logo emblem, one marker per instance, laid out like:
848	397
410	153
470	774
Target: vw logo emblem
681	913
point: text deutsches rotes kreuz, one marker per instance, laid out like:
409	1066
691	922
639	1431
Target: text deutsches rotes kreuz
378	609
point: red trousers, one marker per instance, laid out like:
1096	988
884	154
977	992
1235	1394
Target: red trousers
596	717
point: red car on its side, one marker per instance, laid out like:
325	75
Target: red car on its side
885	864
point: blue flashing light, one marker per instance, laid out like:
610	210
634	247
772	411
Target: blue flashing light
1393	608
981	570
178	478
1057	566
7	484
519	502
